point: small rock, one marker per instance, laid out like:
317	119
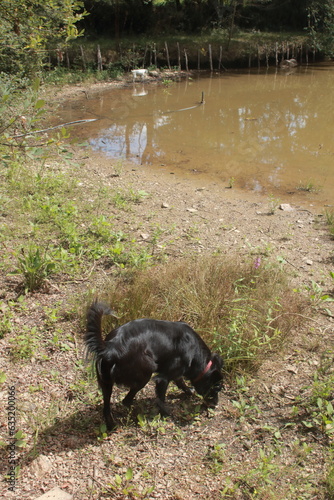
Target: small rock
309	262
291	369
41	466
164	205
192	210
286	207
55	494
144	236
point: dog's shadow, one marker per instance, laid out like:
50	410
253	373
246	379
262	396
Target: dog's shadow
86	426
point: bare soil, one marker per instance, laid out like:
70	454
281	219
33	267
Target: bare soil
257	449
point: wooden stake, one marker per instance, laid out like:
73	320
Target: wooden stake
99	59
155	55
210	58
167	55
67	60
186	59
179	55
220	57
144	58
83	57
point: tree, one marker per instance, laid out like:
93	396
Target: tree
320	24
29	27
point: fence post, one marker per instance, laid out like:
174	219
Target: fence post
186	59
83	57
178	55
99	59
167	55
210	58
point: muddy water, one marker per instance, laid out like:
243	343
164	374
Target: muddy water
269	132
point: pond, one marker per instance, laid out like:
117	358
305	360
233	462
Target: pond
267	131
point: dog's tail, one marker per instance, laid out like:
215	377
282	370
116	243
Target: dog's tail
93	337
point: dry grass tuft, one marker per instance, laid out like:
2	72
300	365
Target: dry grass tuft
242	309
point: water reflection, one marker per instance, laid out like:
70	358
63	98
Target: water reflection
272	129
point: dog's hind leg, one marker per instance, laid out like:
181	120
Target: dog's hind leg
109	419
161	385
106	385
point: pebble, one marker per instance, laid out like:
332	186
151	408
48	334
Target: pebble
55	494
286	207
41	466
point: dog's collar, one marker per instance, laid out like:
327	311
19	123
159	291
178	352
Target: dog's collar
201	375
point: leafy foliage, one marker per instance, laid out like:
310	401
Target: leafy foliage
27	29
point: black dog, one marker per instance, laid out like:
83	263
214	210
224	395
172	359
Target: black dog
131	353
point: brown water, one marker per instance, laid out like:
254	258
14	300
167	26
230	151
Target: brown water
269	131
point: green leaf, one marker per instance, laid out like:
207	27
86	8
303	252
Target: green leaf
129	474
36	84
118	480
329	408
309	425
39	104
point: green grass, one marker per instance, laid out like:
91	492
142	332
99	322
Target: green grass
58	231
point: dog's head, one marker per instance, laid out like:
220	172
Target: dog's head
209	383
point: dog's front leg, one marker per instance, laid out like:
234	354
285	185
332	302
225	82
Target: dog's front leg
180	383
161	385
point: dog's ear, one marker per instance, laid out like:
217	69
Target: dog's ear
217	361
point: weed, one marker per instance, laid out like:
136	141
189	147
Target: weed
273	204
122	199
118	168
6	324
100	228
329	217
329	480
247	409
34	265
156	425
308	186
25	344
231	182
125	486
216	457
102	432
317	411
